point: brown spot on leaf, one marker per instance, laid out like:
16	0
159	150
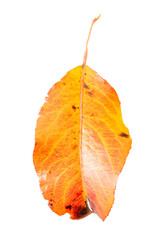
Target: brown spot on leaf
50	203
83	212
73	107
90	93
68	207
86	86
123	135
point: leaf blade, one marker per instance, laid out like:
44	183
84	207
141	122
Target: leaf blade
57	136
100	170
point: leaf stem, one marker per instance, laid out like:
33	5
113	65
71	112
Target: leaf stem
86	50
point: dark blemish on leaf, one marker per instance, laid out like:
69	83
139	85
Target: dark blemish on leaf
68	207
64	83
75	147
74	138
85	74
83	211
50	203
90	93
92	114
123	135
74	107
85	86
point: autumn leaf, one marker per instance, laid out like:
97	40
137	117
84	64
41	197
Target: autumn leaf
81	144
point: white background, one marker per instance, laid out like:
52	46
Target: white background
39	42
